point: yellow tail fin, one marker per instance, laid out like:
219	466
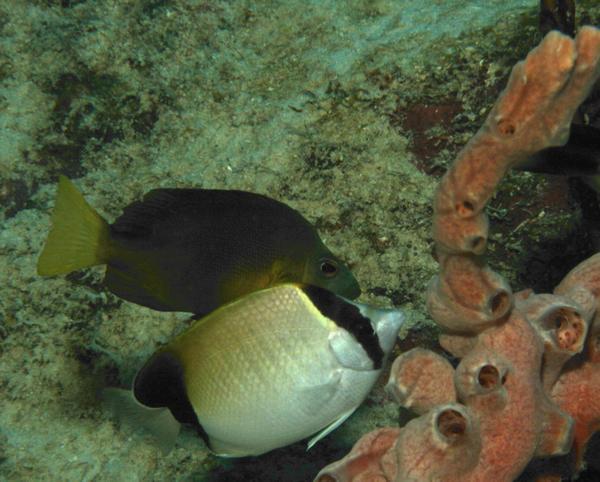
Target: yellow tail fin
78	237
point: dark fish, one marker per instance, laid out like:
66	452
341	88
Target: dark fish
580	156
191	250
557	15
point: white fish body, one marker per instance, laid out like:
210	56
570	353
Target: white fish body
274	368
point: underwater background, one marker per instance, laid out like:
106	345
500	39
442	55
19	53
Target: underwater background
348	111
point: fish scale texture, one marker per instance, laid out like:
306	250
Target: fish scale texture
262	371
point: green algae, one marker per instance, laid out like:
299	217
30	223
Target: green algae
316	104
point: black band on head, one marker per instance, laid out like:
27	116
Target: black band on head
349	317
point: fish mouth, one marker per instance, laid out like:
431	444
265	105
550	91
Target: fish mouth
352	290
345	285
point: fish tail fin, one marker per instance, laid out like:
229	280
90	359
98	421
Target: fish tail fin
159	422
79	235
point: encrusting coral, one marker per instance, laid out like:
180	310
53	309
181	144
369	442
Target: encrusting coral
528	382
577	390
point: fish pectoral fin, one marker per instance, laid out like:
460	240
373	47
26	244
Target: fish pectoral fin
316	396
330	428
349	352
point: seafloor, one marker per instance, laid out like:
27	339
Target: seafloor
349	111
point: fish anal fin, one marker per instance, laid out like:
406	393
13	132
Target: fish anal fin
138	287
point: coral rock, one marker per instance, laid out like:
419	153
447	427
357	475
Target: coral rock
420	380
467	297
515	349
444	445
562	324
370	460
577	392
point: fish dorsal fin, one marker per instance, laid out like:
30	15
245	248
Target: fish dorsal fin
164	204
139	217
330	428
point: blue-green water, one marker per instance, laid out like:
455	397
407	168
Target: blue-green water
347	111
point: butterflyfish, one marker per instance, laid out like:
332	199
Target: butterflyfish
191	250
267	370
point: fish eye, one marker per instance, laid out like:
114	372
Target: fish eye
328	268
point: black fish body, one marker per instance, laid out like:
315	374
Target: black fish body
193	250
178	242
580	156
